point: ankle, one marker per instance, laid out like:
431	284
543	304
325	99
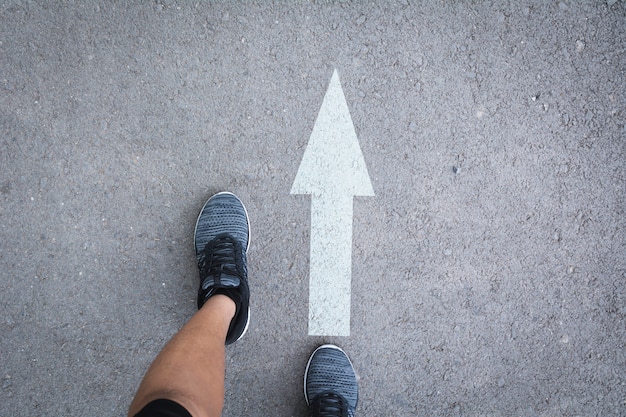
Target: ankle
221	304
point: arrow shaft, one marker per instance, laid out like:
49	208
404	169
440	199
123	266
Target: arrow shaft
330	266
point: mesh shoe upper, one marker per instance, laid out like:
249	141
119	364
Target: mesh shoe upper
330	385
222	213
221	241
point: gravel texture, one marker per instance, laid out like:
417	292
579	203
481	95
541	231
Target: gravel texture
489	271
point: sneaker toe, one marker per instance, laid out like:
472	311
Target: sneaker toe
222	213
330	369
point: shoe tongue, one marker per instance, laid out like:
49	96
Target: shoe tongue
221	279
226	276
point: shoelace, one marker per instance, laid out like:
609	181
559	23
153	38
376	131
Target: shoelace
220	257
329	404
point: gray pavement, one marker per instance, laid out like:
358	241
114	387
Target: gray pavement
488	271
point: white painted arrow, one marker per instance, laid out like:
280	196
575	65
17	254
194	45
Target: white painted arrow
332	171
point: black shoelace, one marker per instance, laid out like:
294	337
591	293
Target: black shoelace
329	404
221	256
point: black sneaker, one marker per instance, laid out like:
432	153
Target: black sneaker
330	386
222	237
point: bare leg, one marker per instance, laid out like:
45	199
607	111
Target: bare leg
190	368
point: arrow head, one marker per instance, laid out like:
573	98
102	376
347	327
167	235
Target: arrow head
333	163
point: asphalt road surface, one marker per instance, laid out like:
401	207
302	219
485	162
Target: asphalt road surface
488	270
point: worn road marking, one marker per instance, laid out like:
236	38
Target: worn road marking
332	171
